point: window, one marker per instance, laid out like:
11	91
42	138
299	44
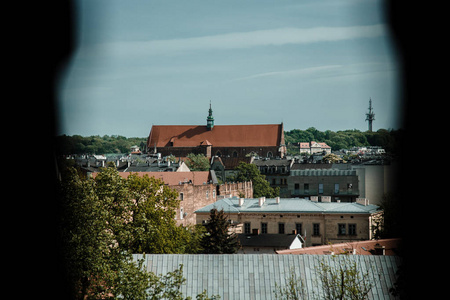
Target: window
349	187
336	188
306	188
181	213
269	154
316	229
352	229
207	194
263	227
296	186
274	181
298	227
281	228
341	229
235	154
214	194
320	188
247	228
181	196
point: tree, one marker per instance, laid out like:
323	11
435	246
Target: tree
294	290
197	162
217	240
90	237
338	277
106	219
330	158
261	187
343	278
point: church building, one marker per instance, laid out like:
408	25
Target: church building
218	140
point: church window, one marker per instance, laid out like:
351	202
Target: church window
269	154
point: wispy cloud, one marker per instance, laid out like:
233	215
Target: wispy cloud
239	40
325	71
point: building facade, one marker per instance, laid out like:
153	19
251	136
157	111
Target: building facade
339	185
314	147
317	222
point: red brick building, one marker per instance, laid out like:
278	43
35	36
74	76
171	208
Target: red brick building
221	140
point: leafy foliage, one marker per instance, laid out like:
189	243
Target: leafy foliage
344	279
261	187
104	220
217	240
388	139
293	290
95	144
197	162
340	278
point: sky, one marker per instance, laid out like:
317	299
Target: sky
304	63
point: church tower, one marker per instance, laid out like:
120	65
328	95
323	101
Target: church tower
210	119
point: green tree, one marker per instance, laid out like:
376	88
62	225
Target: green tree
261	187
197	162
90	238
295	288
217	240
343	278
153	224
104	220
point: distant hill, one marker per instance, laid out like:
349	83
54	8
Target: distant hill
95	144
388	139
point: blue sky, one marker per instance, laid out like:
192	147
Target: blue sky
303	63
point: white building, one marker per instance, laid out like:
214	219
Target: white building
314	147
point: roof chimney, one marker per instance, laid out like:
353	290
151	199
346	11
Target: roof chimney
241	201
277	200
326	198
362	201
261	201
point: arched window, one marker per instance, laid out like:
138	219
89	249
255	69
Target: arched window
269	154
218	154
235	154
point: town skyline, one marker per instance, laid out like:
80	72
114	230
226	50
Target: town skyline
301	64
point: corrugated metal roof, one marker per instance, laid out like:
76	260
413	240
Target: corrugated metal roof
287	205
253	276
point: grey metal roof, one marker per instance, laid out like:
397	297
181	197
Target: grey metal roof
287	205
253	276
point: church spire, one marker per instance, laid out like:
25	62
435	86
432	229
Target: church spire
210	118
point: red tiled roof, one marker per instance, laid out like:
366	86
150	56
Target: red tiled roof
362	247
219	136
173	178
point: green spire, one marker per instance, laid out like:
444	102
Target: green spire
210	119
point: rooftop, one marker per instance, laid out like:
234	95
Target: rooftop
173	178
391	247
288	205
268	240
219	136
253	276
